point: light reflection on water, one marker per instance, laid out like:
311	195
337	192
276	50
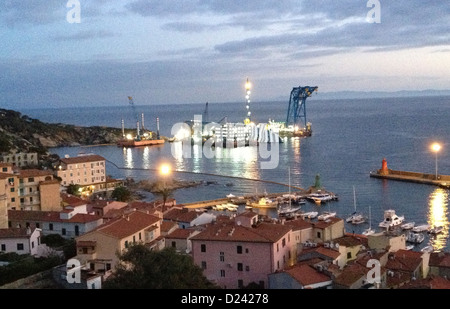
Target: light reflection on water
438	216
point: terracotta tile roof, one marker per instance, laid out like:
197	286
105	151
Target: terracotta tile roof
49	182
432	282
404	260
439	259
14	233
299	224
71	199
128	225
6	175
306	275
351	274
350	241
82	159
399	278
273	232
35	173
233	232
247	214
166	226
181	234
48	216
328	252
326	223
180	215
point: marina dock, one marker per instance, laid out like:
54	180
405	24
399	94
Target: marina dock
423	178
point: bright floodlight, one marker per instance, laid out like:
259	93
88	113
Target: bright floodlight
436	147
165	169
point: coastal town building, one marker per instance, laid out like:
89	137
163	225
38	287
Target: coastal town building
30	189
99	248
300	276
82	170
180	239
187	218
234	254
69	223
20	240
20	159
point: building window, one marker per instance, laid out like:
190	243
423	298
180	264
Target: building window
3	247
203	264
85	250
246	250
349	255
31	179
283	242
63	231
126	243
31	200
247	268
222	273
4	170
108	266
134	238
11	181
31	190
239	249
222	256
203	248
19	247
278	264
240	267
22	200
32	245
50	226
174	244
77	230
140	236
240	283
278	247
12	189
319	235
13	199
39	240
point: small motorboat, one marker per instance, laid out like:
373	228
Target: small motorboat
436	230
421	228
407	226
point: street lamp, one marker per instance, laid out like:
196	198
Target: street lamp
436	147
165	170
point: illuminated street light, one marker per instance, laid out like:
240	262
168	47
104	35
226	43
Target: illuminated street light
165	169
436	147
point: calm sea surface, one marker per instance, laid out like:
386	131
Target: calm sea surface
350	139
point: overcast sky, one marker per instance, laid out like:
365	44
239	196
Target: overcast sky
196	51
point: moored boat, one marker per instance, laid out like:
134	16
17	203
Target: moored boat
391	219
326	215
415	238
436	230
407	225
421	228
309	215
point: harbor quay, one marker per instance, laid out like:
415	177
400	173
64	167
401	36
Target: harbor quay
424	178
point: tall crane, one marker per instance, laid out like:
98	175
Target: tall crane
297	107
130	100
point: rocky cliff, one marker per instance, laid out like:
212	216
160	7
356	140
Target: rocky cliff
24	134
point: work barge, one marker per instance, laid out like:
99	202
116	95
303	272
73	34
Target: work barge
406	176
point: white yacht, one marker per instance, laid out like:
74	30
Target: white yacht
355	217
326	215
391	219
408	225
421	228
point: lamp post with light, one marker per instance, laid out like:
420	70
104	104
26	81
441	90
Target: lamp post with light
436	147
165	171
